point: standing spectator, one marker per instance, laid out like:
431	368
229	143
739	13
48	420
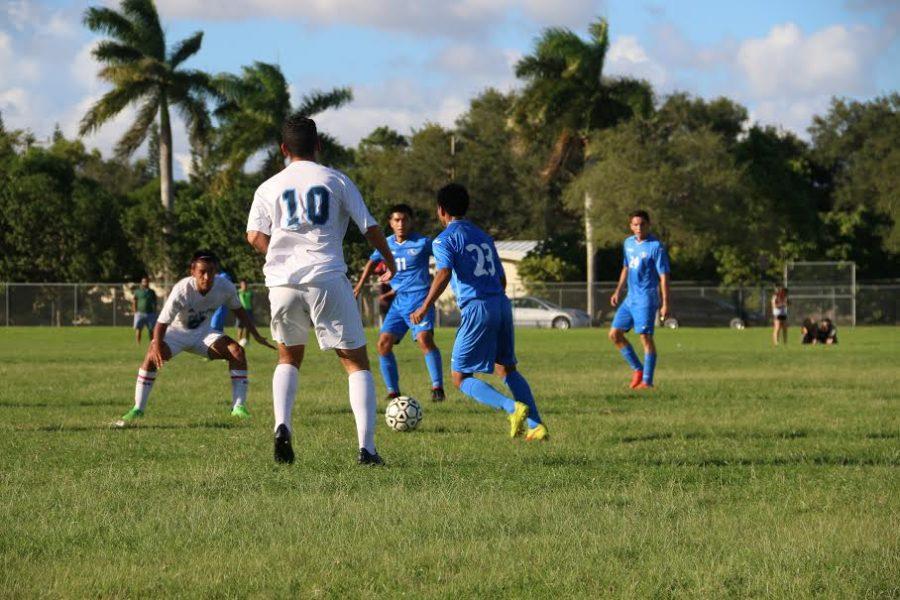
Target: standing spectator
245	295
143	305
779	311
826	333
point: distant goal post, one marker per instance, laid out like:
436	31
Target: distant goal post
820	289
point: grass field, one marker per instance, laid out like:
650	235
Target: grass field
750	471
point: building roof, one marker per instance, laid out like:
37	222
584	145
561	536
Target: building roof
515	249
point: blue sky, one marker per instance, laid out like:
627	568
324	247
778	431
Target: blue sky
410	62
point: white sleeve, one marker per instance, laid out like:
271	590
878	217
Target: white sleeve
356	207
259	218
231	298
174	305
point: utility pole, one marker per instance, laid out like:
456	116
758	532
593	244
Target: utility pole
589	246
452	172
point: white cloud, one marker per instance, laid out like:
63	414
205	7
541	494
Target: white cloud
477	65
626	56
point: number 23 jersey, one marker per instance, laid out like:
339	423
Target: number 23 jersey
306	209
470	252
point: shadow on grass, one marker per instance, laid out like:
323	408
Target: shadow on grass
731	435
108	427
781	461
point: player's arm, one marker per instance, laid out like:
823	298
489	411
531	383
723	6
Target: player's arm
134	304
388	294
376	238
259	241
617	295
664	288
155	350
366	272
241	313
438	285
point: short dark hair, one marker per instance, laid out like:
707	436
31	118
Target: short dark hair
300	135
454	199
401	208
640	213
205	256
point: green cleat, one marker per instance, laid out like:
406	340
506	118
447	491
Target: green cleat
240	411
130	417
517	420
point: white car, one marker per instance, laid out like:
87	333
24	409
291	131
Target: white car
529	311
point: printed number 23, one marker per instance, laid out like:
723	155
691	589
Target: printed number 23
317	201
483	254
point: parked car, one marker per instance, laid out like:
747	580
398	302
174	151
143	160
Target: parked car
712	312
529	311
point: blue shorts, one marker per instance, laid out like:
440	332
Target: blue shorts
147	320
485	336
397	322
642	318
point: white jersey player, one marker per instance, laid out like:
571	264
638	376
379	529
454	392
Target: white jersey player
298	220
184	325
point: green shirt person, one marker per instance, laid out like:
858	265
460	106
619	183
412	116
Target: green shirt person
245	295
143	305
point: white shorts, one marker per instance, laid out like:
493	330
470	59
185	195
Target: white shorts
196	341
327	306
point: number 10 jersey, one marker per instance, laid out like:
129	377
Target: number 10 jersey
305	209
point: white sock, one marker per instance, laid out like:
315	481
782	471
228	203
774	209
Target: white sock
143	387
284	389
362	401
239	384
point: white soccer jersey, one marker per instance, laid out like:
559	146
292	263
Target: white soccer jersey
186	308
306	209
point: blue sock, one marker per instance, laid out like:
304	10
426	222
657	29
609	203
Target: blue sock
435	368
484	393
390	374
522	393
631	357
649	366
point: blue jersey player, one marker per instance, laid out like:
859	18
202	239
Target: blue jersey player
645	266
409	287
484	342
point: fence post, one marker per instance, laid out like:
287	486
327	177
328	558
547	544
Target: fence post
114	305
75	305
7	304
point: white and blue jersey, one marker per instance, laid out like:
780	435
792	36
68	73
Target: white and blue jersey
411	283
646	260
485	335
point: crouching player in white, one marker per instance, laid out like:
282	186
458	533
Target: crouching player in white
298	220
184	325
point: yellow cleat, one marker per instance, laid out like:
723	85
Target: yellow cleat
517	420
538	434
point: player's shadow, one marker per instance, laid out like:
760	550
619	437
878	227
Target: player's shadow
824	460
108	427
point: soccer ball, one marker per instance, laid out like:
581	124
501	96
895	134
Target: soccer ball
403	414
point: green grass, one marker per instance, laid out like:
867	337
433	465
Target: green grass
750	471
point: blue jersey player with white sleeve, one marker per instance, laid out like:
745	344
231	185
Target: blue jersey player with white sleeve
409	287
645	267
485	340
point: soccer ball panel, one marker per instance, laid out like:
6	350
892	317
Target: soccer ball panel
403	414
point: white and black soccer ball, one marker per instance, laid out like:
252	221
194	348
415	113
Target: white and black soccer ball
403	414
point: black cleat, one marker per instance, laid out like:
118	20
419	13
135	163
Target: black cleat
368	458
437	395
284	453
392	396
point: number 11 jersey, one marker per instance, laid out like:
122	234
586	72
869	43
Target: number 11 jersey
306	209
471	253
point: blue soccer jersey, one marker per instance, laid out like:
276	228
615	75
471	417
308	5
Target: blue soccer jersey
471	254
411	257
646	261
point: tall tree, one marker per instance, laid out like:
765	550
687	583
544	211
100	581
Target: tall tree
256	103
143	73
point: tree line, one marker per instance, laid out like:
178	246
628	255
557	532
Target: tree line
733	200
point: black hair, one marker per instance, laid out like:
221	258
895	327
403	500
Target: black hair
401	208
299	135
205	256
640	213
454	199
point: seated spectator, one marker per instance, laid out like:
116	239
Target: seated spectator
826	333
808	330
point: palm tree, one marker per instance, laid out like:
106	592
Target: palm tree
144	74
256	103
566	97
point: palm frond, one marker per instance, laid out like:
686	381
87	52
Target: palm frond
112	52
146	26
108	21
144	70
196	117
317	101
185	49
137	133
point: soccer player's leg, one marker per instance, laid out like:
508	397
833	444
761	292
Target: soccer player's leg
424	335
338	326
146	377
222	347
622	322
506	368
393	329
644	321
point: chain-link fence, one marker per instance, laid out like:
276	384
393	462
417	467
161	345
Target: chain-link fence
66	304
